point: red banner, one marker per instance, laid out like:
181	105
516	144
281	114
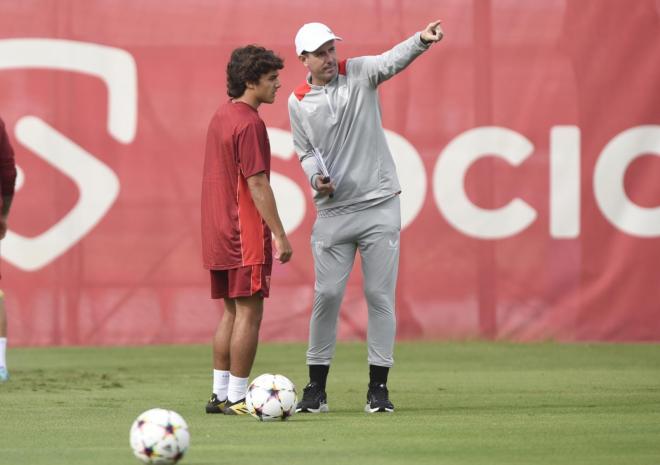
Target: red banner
526	144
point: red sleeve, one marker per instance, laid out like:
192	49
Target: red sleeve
253	150
7	164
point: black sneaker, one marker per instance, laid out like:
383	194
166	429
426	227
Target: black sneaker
314	400
235	408
214	405
378	400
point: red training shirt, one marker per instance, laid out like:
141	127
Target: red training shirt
237	147
7	164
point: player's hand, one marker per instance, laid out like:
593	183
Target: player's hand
324	185
3	227
283	250
433	32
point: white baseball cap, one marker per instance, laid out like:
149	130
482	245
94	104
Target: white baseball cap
311	36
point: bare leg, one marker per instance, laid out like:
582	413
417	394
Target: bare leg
222	338
3	316
245	336
3	339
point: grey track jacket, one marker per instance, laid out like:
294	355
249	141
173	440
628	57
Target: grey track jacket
342	120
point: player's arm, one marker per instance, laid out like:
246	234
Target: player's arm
380	68
264	200
6	205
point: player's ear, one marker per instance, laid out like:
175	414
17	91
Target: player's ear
303	58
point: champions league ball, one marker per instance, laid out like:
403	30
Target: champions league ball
271	397
159	436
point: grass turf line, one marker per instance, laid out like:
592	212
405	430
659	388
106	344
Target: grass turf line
457	403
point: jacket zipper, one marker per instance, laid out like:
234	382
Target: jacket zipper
327	97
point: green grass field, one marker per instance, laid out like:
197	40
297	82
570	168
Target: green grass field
457	403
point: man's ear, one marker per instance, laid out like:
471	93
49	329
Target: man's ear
250	85
303	59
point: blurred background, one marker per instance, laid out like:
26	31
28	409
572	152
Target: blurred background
527	144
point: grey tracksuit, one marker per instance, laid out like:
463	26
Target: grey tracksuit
342	120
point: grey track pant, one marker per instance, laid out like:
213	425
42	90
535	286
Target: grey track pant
375	233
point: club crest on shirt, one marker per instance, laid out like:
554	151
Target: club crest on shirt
309	107
342	94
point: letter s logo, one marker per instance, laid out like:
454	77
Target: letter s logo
97	183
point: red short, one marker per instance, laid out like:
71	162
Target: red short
241	282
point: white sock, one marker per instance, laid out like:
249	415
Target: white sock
3	349
237	388
220	383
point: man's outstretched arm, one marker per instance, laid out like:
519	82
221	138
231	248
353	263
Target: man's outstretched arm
380	68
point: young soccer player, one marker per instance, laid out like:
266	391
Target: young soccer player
238	216
7	181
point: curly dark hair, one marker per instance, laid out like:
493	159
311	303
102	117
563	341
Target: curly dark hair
248	64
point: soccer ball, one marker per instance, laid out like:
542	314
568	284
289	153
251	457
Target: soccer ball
271	397
159	436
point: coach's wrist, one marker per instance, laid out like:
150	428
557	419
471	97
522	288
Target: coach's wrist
313	181
425	43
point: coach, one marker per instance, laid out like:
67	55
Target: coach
339	138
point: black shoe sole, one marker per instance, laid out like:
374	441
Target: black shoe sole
368	409
323	408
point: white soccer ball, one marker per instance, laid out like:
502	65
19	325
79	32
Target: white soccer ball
159	436
271	397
